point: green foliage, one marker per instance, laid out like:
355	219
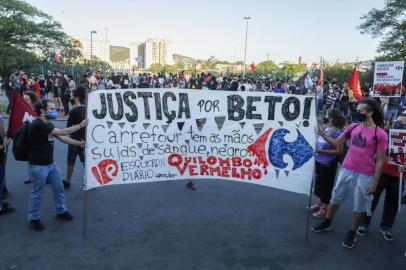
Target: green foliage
389	24
292	71
266	67
26	32
72	51
342	72
156	68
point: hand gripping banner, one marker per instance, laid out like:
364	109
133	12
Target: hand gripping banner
148	135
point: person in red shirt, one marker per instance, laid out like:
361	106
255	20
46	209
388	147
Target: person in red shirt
389	183
37	87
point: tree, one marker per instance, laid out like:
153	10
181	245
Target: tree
155	68
341	73
266	67
96	64
390	24
292	71
72	51
26	32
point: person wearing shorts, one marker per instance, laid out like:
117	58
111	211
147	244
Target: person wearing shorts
76	115
362	167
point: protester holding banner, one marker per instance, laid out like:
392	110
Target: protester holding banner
76	116
361	168
42	167
326	163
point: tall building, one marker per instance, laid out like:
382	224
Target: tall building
101	48
150	52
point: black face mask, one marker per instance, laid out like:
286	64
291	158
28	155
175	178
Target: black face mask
359	117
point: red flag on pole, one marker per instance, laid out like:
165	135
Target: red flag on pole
353	83
253	68
21	112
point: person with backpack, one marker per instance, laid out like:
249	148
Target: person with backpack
361	169
326	163
41	166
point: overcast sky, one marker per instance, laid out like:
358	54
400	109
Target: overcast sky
283	29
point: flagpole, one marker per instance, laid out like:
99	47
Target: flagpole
85	191
309	202
400	190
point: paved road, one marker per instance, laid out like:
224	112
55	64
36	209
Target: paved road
222	225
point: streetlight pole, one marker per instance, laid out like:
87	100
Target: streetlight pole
235	51
246	38
91	43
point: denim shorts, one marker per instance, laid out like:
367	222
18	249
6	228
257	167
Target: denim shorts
353	184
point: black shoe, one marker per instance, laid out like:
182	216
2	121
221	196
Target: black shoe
65	216
27	181
387	235
323	226
6	209
190	185
36	225
350	239
362	230
66	184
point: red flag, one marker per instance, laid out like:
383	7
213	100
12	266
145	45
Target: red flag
21	112
253	68
56	58
353	83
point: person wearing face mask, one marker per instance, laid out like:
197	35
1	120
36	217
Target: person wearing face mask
76	116
326	163
361	169
41	165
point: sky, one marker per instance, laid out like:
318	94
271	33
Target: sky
284	29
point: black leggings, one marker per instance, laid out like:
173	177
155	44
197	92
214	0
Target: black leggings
389	184
325	176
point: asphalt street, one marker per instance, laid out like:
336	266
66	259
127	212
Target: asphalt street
163	225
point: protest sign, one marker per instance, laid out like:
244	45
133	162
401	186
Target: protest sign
388	78
148	135
397	146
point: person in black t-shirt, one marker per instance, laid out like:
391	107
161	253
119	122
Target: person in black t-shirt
41	165
76	116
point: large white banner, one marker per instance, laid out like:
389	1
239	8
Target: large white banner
388	78
148	135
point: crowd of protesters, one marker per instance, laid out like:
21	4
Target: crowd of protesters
353	143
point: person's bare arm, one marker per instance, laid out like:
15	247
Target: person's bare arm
380	157
69	140
69	130
334	142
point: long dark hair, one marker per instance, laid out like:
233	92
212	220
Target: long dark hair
374	107
337	118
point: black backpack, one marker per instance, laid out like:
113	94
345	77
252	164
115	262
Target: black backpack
21	143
